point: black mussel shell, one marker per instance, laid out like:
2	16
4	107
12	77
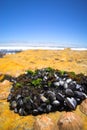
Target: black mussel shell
60	97
71	102
46	90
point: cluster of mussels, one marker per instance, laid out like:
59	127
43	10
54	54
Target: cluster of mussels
47	90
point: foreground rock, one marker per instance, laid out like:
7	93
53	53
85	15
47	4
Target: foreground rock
70	121
4	89
83	107
44	123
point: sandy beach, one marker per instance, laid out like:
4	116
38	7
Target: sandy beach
16	64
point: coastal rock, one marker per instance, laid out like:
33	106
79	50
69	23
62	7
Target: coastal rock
3	95
44	123
83	107
70	121
17	64
4	89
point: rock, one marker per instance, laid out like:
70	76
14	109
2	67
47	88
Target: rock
70	121
83	107
5	82
4	89
44	123
3	95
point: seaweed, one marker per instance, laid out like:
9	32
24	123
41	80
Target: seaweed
36	82
18	85
61	72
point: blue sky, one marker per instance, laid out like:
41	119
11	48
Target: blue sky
54	21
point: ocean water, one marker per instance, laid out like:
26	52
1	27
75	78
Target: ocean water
43	46
39	47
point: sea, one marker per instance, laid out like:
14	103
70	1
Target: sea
12	49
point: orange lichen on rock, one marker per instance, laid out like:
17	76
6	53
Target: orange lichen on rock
4	89
35	59
67	59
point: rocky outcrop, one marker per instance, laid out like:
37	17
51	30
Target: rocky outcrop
83	107
70	121
44	123
4	89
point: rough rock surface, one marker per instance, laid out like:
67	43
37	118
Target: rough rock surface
44	123
33	59
67	59
70	121
83	107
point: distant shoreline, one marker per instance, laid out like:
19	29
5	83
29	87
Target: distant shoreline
40	48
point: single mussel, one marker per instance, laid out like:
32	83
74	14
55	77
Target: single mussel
13	104
69	92
48	108
71	103
35	112
56	103
60	97
80	95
